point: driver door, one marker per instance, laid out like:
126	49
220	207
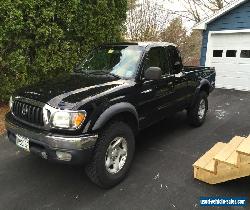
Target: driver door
156	96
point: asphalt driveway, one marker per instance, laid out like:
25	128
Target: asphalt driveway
160	178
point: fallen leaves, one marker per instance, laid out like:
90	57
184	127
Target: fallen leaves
3	110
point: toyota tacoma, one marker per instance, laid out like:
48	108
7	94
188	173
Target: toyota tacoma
92	115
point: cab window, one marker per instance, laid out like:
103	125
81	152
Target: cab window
156	57
172	57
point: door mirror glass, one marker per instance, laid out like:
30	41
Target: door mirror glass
153	73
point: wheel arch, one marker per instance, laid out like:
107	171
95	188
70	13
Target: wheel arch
122	111
203	86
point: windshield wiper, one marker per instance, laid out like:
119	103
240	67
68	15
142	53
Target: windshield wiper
81	72
105	73
115	75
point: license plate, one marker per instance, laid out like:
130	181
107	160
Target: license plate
22	142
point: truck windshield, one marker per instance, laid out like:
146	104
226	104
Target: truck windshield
119	61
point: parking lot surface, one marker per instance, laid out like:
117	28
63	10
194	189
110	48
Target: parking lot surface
161	176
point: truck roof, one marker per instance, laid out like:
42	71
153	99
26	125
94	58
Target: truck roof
142	44
162	44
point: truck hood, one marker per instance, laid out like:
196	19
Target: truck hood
66	90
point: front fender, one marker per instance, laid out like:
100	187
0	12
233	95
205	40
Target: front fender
112	111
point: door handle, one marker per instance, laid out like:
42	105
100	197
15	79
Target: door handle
170	83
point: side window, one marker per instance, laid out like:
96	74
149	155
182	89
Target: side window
165	62
217	53
156	58
173	57
231	53
245	54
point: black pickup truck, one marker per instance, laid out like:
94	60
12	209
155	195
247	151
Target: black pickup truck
91	116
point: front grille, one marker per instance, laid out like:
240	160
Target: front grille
28	112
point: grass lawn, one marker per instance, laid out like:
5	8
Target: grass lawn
3	110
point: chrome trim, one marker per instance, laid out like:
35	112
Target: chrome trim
30	101
147	91
86	139
71	142
11	102
181	74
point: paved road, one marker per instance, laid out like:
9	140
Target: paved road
161	176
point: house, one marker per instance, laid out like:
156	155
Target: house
226	45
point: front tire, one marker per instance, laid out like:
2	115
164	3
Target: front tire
197	113
112	156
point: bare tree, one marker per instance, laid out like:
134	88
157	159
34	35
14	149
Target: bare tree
145	21
196	10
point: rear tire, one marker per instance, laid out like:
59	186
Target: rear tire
112	156
197	113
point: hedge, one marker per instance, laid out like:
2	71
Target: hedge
40	39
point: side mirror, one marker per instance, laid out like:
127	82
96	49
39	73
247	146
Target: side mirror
177	67
153	73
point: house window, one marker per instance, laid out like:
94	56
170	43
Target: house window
245	54
231	53
217	53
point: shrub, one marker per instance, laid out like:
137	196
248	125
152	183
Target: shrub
40	39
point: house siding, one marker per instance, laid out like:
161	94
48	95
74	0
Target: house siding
236	19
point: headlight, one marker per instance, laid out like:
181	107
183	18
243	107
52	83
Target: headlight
67	119
10	102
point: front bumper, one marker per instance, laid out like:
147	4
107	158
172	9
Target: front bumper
46	144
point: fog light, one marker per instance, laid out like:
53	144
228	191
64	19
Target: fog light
63	156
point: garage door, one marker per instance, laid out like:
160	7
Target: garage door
230	55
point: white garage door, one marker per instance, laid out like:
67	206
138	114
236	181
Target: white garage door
230	55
